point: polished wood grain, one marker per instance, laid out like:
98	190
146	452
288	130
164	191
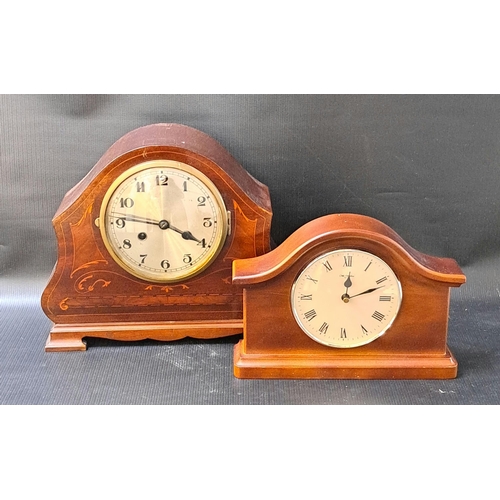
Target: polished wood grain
415	346
90	295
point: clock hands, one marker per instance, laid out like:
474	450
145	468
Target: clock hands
162	224
136	219
348	283
187	235
366	291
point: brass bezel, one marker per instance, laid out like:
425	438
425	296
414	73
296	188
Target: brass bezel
222	228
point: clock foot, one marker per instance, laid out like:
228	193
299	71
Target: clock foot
312	366
64	341
69	337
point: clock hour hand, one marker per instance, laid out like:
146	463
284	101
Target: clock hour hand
365	292
186	235
348	283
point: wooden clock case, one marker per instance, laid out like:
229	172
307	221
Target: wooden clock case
414	347
89	295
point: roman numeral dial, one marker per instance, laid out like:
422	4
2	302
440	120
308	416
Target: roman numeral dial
346	298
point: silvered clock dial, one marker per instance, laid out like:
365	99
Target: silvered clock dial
163	221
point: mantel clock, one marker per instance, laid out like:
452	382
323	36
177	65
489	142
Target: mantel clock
345	297
147	239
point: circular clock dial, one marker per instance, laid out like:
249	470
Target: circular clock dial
346	298
163	221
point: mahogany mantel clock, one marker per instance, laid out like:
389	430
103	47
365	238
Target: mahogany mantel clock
147	239
350	299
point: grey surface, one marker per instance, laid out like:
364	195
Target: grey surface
428	166
200	372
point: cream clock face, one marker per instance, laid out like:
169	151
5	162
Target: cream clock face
163	221
346	298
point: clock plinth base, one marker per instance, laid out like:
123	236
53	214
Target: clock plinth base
70	337
313	366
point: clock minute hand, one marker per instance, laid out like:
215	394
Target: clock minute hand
163	224
365	292
132	218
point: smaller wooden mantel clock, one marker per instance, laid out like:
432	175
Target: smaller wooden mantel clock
345	297
147	239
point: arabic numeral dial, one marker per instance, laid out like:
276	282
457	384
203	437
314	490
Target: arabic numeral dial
163	221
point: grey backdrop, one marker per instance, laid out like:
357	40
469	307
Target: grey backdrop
426	165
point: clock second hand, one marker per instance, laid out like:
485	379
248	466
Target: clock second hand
162	224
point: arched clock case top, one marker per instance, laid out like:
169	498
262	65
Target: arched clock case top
147	239
350	299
